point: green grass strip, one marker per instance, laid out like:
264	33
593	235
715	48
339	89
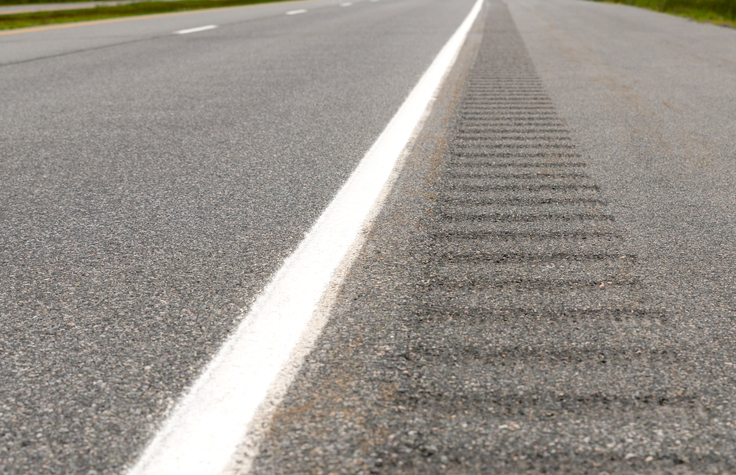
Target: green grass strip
25	20
713	11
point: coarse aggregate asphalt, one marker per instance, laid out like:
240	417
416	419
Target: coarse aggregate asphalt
549	288
151	184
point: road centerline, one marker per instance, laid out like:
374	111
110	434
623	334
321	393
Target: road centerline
195	30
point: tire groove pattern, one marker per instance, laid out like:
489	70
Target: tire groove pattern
523	263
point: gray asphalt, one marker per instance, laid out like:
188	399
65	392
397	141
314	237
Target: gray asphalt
550	286
48	7
150	185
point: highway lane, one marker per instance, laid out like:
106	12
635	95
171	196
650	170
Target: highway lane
52	40
550	287
151	185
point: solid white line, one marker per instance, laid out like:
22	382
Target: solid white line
296	12
195	30
213	418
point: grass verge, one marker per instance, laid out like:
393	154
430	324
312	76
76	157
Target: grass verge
714	11
25	20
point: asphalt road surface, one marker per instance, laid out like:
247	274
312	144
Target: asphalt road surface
549	287
151	183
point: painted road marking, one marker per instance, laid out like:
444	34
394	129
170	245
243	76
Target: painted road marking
195	30
347	4
296	12
253	369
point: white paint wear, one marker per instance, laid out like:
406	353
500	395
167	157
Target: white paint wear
195	30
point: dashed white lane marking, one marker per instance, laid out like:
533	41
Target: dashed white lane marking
254	367
346	4
296	12
195	30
